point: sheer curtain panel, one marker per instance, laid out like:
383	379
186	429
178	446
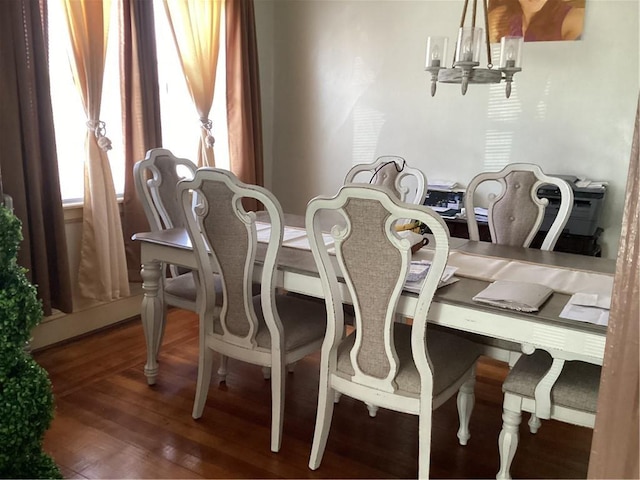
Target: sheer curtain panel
196	31
28	152
102	274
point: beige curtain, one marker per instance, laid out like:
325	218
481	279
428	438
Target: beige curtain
614	451
28	158
102	273
243	94
196	30
141	113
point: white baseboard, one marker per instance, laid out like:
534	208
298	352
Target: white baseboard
64	326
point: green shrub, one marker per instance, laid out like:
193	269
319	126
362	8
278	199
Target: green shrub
26	398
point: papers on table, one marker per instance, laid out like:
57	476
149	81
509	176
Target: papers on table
588	307
292	237
521	296
418	272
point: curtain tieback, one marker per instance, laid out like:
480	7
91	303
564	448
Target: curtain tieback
99	129
207	125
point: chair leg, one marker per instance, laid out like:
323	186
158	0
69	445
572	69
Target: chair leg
424	438
466	401
292	367
205	366
326	397
534	423
277	403
373	409
266	373
336	396
508	441
223	369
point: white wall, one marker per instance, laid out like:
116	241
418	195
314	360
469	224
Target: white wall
344	82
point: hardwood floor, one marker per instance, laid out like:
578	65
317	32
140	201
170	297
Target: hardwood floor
110	424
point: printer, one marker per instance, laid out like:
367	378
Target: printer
448	203
587	207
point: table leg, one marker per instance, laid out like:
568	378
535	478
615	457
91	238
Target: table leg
508	441
152	316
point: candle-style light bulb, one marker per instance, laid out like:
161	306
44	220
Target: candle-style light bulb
511	57
510	52
436	51
435	56
466	50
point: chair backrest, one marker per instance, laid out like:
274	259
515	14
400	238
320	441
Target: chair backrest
155	179
374	262
516	213
407	183
224	238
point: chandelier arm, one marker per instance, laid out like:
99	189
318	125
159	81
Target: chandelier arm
464	13
473	18
486	29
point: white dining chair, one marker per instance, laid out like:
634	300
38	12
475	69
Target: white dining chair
548	388
409	184
155	178
515	215
384	363
271	329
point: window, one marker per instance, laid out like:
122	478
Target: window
180	123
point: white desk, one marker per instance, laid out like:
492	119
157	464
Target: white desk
452	306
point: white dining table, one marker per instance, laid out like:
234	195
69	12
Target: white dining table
452	306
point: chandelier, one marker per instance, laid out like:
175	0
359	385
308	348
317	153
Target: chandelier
466	61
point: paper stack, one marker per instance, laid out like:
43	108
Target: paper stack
418	272
521	296
588	307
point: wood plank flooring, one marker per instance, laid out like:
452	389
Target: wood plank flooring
110	424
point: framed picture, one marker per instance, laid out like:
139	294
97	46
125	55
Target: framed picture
536	20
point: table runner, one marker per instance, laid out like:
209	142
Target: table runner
560	279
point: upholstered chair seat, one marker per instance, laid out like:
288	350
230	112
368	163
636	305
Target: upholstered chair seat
183	286
291	309
447	369
547	388
576	387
